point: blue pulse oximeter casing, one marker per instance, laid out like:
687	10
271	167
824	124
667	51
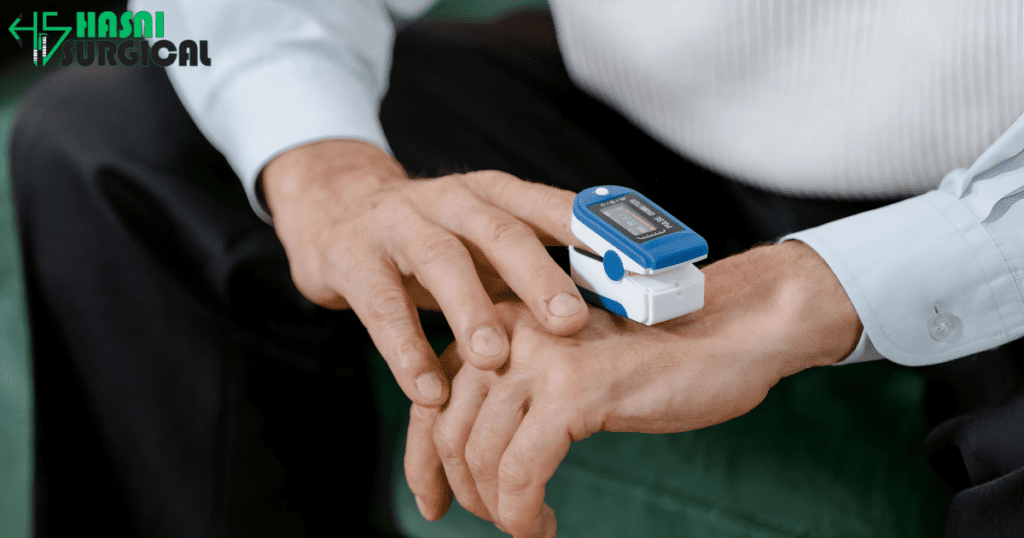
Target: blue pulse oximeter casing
644	268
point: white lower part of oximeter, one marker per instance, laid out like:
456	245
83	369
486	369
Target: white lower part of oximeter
647	299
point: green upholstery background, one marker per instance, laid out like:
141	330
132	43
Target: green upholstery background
15	373
831	452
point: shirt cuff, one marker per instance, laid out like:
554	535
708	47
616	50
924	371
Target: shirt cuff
864	352
275	106
925	277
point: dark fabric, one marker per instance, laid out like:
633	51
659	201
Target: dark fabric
185	388
977	445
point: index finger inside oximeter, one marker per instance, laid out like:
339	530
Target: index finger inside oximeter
644	268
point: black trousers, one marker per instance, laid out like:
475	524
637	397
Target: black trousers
185	388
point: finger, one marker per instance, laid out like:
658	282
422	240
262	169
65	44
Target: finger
516	253
451	432
496	288
546	209
496	423
374	289
423	469
451	362
443	265
489	277
530	460
516	317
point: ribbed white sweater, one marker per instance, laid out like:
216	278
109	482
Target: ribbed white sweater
866	98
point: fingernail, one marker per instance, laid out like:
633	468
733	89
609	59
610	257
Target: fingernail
545	524
429	386
538	526
563	305
487	342
422	506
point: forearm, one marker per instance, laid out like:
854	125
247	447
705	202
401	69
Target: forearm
784	295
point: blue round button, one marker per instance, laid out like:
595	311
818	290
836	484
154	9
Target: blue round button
613	266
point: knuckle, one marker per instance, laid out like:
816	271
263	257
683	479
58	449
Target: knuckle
422	415
390	207
494	181
503	183
474	505
478	462
500	176
438	249
386	303
449	459
408	356
514	521
390	217
512	475
336	243
555	201
321	296
488	177
507	231
561	374
451	189
307	277
529	344
454	183
562	378
447	448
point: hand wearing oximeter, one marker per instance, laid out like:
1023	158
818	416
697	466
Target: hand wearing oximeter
644	268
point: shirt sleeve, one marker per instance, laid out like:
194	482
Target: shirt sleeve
283	73
941	275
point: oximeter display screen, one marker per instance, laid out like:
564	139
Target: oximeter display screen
626	217
635	217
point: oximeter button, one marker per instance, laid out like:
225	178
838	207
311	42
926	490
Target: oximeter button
613	266
601	190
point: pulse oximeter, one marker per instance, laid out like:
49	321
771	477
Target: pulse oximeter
643	269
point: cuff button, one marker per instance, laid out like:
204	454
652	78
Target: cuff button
944	326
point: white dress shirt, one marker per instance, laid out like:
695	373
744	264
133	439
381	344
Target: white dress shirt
815	98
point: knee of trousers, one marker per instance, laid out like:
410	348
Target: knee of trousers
78	121
110	158
39	156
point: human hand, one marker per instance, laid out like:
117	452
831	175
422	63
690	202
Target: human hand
769	312
359	233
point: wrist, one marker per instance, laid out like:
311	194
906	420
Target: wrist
344	169
830	327
778	308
